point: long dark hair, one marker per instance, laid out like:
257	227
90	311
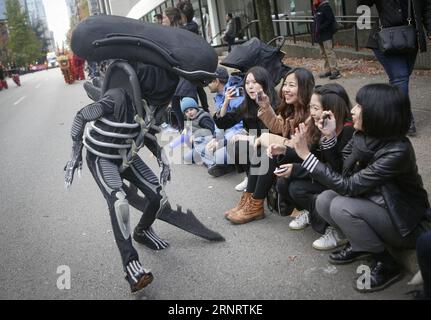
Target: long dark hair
333	97
299	114
186	7
262	77
386	111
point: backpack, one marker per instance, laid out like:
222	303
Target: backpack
272	199
276	205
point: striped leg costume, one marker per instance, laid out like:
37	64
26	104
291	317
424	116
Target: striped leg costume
107	139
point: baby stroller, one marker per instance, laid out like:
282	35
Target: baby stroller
258	53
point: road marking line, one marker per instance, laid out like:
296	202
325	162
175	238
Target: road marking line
38	86
20	100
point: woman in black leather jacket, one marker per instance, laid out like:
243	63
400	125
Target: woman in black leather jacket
378	200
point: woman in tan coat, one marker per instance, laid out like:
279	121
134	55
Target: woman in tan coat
295	96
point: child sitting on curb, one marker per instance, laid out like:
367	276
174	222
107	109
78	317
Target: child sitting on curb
200	130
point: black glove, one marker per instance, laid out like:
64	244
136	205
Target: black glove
74	163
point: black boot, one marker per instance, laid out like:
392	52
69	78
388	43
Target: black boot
412	129
384	272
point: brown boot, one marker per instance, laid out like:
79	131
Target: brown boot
253	210
244	198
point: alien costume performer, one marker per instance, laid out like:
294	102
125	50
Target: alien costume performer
139	83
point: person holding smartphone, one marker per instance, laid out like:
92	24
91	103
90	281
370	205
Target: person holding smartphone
240	146
295	95
330	119
217	159
378	201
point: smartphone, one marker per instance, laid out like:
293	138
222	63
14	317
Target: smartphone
239	92
259	96
280	170
325	118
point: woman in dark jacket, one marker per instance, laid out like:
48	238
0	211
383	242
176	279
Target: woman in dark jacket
257	80
379	199
324	28
330	100
399	67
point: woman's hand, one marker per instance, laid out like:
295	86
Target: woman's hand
262	100
299	140
287	173
327	125
275	150
228	96
263	140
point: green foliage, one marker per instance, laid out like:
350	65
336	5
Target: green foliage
23	43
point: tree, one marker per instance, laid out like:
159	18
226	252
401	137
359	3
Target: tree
23	43
3	43
266	28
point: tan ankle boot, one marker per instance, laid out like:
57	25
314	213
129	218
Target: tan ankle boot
244	198
253	210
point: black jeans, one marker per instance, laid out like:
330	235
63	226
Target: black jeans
230	41
423	250
261	176
302	194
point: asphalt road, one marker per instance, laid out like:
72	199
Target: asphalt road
44	227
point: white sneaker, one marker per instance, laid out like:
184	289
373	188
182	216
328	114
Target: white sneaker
169	129
242	186
330	240
301	221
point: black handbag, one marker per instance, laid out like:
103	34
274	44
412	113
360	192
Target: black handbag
400	39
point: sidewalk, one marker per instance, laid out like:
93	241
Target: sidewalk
358	73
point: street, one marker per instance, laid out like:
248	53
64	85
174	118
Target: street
43	226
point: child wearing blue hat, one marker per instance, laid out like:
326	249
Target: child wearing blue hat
200	127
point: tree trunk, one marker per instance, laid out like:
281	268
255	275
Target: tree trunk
266	28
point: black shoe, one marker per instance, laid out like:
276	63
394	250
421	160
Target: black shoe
382	276
347	255
335	75
412	129
149	239
418	295
324	74
137	277
219	170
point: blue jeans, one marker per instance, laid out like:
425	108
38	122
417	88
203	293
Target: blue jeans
399	68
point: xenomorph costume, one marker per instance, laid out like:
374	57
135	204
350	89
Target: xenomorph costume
148	59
